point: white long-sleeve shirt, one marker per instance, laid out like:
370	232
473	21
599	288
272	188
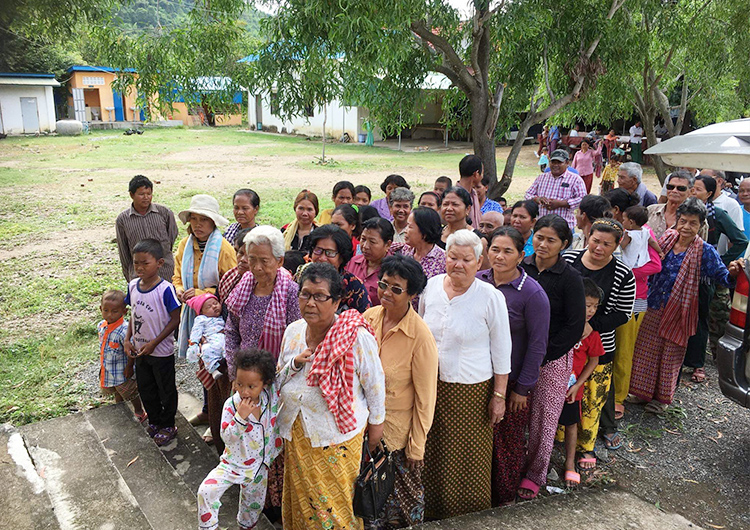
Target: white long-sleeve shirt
471	330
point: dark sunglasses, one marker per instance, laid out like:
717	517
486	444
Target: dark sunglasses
395	289
678	188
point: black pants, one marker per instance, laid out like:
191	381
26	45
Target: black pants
695	354
607	422
156	384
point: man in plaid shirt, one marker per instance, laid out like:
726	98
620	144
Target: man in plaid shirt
559	190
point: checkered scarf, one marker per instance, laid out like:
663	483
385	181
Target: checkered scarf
332	368
228	282
680	319
274	322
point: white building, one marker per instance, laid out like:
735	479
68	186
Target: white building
27	105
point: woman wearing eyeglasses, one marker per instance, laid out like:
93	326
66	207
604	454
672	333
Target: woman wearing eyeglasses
409	357
664	216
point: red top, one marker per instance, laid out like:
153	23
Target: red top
591	346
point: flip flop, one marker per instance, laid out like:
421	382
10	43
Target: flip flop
528	485
612	441
586	460
142	417
572	476
656	407
699	375
152	429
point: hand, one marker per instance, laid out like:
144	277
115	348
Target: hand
129	371
129	349
413	465
302	358
203	340
516	402
497	410
735	268
148	349
187	295
374	435
246	407
662	256
570	397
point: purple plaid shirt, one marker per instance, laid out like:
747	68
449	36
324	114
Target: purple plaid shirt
568	187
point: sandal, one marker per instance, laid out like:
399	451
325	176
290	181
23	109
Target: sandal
612	441
207	437
142	417
656	407
619	411
699	375
528	486
165	435
152	429
572	479
586	458
635	400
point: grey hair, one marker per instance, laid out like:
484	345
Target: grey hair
692	206
633	169
716	173
465	238
684	175
266	235
401	195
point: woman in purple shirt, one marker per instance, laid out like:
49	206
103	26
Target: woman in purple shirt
390	183
529	314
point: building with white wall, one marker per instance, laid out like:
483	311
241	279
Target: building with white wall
27	105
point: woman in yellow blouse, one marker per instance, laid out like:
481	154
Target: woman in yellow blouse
409	357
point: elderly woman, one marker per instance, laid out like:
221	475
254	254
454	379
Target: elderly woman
522	218
245	205
390	183
330	244
297	233
375	241
629	178
401	202
528	313
329	402
454	211
663	216
617	283
564	288
469	320
672	316
410	362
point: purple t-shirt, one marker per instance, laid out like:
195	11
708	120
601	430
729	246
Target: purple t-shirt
150	315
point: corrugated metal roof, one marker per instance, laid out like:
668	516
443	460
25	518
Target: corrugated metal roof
24	80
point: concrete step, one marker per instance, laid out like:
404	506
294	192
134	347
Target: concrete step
21	488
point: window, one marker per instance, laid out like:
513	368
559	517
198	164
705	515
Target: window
91	81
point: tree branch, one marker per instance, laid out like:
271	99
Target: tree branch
454	62
493	116
546	75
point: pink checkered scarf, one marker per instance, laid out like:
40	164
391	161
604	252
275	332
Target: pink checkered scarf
680	318
228	282
332	368
274	322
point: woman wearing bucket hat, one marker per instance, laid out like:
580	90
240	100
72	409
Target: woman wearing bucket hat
202	258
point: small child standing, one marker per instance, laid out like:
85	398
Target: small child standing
116	368
609	175
251	435
155	314
543	160
637	238
207	336
585	360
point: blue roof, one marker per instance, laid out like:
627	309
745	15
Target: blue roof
82	68
43	76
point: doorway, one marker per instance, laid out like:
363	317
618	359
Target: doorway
29	115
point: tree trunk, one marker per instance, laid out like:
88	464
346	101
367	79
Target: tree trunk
659	166
484	142
325	117
510	162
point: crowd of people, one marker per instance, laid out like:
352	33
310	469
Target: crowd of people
464	334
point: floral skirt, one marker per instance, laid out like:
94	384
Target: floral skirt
405	506
319	483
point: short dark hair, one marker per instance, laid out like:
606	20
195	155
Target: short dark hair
444	180
428	222
486	181
438	197
350	215
343	185
469	165
407	268
501	200
256	360
323	272
638	214
595	207
709	183
530	206
621	199
139	181
558	224
239	239
340	238
114	295
149	246
293	259
692	206
591	290
512	233
398	180
365	213
253	197
461	193
363	189
383	226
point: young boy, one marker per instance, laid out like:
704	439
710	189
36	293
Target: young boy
116	368
155	314
585	359
637	238
442	184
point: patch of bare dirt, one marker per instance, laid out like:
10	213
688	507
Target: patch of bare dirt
62	241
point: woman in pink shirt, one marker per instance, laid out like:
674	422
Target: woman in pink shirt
584	161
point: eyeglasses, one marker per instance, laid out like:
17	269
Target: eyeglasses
678	188
318	297
329	253
395	289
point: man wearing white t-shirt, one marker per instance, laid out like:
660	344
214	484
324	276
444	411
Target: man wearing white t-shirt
636	138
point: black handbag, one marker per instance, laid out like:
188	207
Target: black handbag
377	474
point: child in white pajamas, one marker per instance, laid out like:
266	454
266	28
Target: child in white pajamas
252	441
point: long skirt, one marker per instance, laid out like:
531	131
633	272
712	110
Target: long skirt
508	455
588	180
319	483
625	337
595	393
547	402
656	362
458	454
405	506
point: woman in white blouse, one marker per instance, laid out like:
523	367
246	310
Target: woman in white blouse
469	320
324	413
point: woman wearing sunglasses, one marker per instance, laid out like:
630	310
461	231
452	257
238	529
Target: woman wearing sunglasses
410	361
664	216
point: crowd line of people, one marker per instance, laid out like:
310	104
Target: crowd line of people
463	333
